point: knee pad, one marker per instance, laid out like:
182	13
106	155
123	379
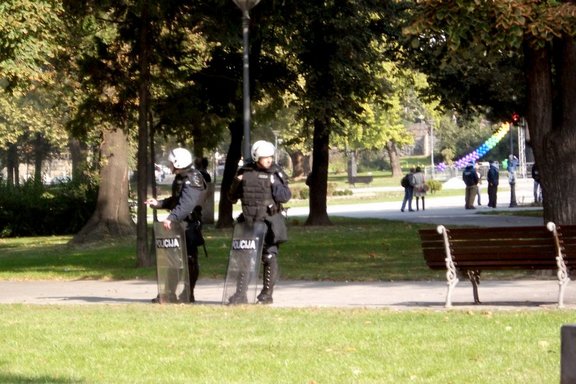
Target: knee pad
268	258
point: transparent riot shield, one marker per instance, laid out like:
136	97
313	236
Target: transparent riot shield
244	263
171	264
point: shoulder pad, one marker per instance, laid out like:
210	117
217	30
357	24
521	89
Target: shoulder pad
281	175
195	179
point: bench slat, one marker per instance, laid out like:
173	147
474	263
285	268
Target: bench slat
500	232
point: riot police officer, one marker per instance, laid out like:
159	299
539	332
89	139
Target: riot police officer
188	193
262	188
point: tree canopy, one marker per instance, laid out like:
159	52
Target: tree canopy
509	56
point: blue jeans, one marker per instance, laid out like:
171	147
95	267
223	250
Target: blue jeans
537	192
408	193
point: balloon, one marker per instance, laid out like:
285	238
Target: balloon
483	149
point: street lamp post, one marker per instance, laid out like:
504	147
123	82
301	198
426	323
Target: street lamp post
245	6
432	148
422	118
512	164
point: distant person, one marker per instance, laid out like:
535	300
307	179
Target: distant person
419	188
470	178
408	182
201	164
512	165
493	178
479	193
537	186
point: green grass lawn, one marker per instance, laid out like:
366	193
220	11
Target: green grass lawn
352	249
253	344
145	343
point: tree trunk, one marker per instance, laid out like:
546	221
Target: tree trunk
552	124
225	208
12	165
39	153
112	216
392	151
78	154
298	166
352	165
319	181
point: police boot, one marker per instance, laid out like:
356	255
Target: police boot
269	278
240	297
193	271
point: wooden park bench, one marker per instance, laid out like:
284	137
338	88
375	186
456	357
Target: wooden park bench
360	179
469	251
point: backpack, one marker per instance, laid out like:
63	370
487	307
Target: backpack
407	181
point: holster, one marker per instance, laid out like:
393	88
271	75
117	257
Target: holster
277	229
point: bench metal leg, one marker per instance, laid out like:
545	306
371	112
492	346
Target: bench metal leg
452	281
563	280
562	273
451	274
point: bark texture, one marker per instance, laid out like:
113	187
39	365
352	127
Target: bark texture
111	219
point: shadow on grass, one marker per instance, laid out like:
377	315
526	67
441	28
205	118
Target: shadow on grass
8	378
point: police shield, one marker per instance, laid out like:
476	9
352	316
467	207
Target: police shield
244	263
171	264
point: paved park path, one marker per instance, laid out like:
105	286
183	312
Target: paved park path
403	295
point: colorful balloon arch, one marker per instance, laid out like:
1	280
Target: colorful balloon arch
481	150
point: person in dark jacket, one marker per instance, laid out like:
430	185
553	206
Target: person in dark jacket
537	186
188	193
262	188
493	179
408	182
470	177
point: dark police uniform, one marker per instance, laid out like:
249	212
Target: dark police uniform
262	193
493	178
188	193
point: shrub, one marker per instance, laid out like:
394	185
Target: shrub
345	192
434	186
33	209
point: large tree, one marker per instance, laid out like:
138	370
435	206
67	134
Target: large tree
130	59
335	44
384	122
510	56
104	110
112	217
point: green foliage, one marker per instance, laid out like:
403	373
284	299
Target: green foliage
301	192
345	192
434	186
29	33
33	209
143	343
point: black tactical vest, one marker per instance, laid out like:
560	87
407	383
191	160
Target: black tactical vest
257	200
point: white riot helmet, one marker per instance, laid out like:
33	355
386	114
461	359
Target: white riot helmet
262	148
180	157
